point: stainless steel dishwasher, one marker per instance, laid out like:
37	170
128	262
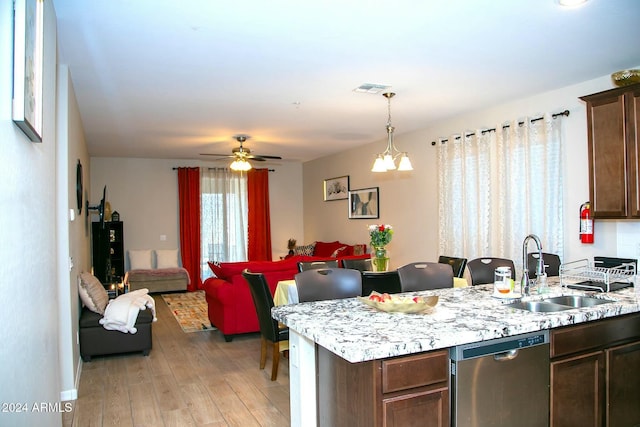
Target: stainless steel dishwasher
502	382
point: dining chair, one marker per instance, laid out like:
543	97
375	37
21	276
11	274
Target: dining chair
358	264
314	265
270	331
421	276
457	264
381	282
328	283
482	270
551	264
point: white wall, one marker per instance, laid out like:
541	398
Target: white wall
409	200
29	353
145	194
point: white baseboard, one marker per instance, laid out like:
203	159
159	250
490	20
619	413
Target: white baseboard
66	395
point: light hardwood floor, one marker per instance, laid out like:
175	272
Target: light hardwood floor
194	379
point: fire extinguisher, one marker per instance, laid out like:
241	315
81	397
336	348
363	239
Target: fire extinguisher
586	223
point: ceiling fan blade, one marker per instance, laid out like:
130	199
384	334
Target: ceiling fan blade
218	155
254	156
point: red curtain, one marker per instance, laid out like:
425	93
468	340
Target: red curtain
189	198
259	222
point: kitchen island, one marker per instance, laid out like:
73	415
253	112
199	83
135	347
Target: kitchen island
325	334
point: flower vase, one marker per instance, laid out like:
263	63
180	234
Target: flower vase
380	259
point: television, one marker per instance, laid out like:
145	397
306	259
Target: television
99	207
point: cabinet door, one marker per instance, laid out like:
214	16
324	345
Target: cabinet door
424	409
623	387
577	391
607	156
633	138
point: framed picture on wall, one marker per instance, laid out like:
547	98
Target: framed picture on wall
28	66
364	203
336	188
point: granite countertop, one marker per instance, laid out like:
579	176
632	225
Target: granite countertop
357	332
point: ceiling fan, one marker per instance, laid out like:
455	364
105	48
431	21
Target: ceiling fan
242	155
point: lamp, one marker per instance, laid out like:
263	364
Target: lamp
240	164
386	160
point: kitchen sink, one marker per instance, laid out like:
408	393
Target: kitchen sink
561	303
578	300
538	306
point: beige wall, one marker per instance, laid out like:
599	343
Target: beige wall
74	236
145	193
409	200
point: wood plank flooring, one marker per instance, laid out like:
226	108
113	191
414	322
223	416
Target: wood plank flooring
194	379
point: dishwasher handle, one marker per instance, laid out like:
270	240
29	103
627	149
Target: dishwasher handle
506	356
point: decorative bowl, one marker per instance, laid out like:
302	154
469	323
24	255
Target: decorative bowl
626	77
402	304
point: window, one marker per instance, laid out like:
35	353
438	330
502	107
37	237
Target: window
223	204
496	187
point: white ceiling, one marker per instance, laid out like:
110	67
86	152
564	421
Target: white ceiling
172	79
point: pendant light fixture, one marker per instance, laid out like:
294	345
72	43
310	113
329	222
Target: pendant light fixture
386	160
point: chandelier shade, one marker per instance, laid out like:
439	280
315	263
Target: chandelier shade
386	161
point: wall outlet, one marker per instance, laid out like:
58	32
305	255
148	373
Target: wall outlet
163	237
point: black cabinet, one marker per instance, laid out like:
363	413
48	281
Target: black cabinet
108	251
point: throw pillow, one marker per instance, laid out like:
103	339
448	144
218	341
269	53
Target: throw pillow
325	249
167	258
359	249
217	269
140	259
305	250
338	252
93	295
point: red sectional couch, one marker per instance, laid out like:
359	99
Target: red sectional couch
230	306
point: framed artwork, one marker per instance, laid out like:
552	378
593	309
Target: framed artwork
28	61
336	188
364	203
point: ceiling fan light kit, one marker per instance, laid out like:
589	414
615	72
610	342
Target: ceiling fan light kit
242	156
240	165
386	161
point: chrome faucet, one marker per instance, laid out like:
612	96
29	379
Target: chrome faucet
524	282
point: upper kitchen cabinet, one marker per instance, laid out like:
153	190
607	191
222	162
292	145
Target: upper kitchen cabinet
613	119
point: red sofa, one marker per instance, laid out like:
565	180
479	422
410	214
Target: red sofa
230	306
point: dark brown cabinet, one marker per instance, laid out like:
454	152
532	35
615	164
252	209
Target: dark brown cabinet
595	373
398	392
108	251
578	383
623	387
613	120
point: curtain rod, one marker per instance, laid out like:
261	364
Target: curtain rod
563	113
178	167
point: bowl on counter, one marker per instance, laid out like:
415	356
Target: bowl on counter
400	304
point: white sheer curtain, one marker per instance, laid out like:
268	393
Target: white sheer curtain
223	199
496	187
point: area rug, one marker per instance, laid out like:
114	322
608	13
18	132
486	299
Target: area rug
189	310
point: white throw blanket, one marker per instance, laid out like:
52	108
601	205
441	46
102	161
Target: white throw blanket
122	312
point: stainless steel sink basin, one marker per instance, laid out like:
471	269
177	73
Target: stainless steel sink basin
578	301
538	306
561	303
